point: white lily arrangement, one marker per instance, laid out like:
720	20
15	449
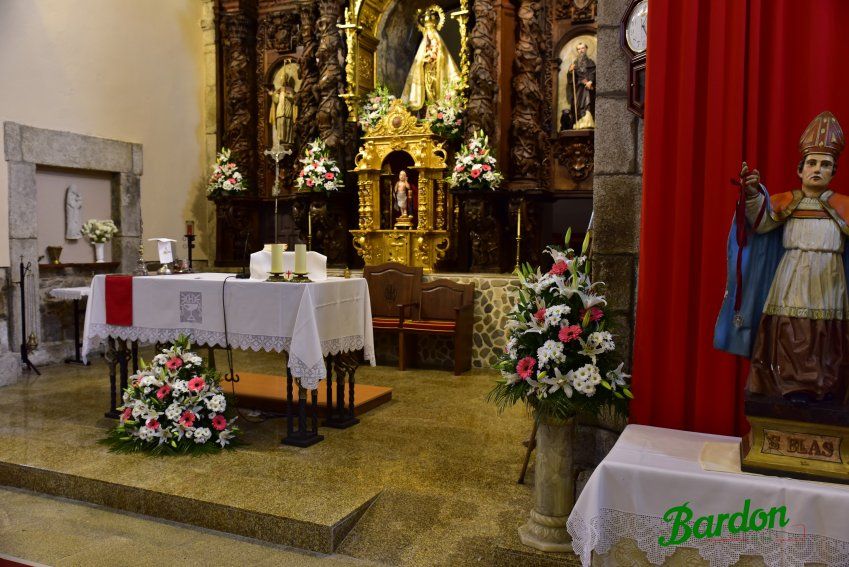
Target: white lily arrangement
99	231
320	172
226	178
559	354
475	166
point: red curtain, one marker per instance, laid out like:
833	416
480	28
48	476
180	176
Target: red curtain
727	80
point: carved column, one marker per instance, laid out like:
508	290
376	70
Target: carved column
483	80
525	132
238	35
331	56
307	98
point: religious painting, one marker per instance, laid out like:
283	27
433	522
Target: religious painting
576	83
419	51
282	111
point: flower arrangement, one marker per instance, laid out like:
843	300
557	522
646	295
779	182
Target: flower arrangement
558	357
375	106
320	172
173	406
226	178
474	167
446	116
99	231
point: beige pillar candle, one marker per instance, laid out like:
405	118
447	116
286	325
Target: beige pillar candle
300	258
519	222
276	258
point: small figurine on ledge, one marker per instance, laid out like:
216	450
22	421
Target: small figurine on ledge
786	304
403	192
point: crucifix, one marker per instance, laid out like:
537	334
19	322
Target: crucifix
277	153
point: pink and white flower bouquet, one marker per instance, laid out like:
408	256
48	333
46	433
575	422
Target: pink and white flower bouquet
559	354
226	178
320	172
173	406
474	167
374	107
447	116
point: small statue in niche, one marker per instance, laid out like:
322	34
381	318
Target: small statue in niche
580	91
73	208
433	68
403	192
282	113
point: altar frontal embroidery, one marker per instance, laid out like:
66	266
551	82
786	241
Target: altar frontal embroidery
191	307
685	529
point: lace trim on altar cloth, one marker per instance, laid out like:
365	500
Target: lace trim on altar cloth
777	548
308	375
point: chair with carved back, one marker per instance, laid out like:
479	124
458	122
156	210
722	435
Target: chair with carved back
445	308
394	293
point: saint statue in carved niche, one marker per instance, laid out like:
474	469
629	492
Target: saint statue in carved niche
403	193
576	83
433	68
282	112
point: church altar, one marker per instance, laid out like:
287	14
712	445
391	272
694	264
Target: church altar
307	320
653	482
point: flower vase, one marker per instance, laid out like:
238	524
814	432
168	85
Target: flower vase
554	488
99	252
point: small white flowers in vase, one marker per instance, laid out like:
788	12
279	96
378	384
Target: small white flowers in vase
320	172
99	232
226	178
474	167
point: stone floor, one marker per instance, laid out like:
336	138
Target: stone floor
439	460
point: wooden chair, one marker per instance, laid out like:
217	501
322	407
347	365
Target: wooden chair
394	293
445	308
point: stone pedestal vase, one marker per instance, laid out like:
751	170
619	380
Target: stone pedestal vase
99	252
554	488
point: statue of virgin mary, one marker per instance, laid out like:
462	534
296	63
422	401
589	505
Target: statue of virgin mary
433	67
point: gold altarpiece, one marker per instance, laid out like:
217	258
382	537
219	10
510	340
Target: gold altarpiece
427	243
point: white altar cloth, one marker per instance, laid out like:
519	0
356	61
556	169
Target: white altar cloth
307	320
70	293
651	470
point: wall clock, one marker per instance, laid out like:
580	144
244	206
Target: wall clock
633	38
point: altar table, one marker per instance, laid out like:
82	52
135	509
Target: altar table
652	470
307	320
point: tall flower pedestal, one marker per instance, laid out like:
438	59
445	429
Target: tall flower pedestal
99	252
554	488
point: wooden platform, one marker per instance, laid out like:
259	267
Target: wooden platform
268	393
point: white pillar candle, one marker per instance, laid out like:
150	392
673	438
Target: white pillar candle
277	258
300	258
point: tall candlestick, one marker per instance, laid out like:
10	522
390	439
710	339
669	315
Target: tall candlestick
519	221
309	223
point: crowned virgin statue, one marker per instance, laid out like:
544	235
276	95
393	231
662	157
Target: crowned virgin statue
433	67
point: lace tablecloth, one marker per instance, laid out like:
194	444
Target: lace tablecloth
307	320
651	470
70	293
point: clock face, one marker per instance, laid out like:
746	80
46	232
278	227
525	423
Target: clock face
636	33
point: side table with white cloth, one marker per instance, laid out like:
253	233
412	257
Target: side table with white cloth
75	294
312	322
684	489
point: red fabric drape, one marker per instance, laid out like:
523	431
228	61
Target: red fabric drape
727	80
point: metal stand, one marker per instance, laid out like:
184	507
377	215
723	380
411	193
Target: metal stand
77	343
339	416
118	359
24	346
303	437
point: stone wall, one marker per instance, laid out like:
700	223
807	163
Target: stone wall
617	184
10	365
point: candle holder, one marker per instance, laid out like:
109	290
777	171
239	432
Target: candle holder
518	249
309	242
190	244
300	278
276	277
